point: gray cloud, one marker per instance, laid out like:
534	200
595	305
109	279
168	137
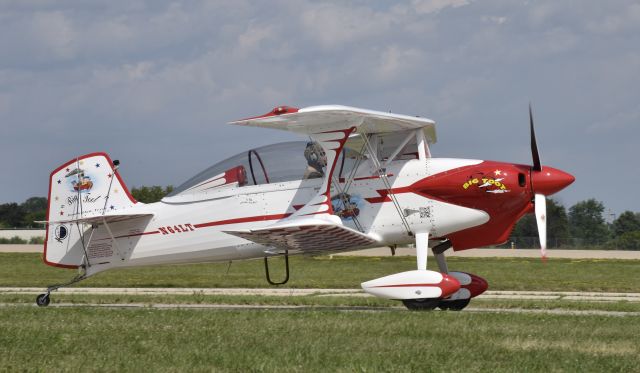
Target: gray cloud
153	82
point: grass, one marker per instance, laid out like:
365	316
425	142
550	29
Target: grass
27	269
321	338
197	340
315	300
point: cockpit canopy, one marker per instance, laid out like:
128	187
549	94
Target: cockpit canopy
274	163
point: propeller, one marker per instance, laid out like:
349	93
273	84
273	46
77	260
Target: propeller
534	146
541	219
540	200
544	183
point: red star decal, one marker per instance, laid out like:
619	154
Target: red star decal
109	175
61	213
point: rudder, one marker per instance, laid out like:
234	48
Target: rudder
87	186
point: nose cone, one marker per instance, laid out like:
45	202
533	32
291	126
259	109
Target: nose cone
550	180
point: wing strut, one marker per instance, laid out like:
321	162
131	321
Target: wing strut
383	175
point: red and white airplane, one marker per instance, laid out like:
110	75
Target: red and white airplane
363	179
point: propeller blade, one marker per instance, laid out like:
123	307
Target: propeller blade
541	219
534	146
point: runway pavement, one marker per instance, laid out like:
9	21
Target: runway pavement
279	292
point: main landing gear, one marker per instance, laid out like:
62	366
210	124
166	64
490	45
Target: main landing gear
426	290
44	299
450	303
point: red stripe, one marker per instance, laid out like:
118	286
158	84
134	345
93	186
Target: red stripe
407	285
242	220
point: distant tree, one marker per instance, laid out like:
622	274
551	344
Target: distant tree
35	209
150	194
34	204
625	223
557	224
627	241
587	222
11	215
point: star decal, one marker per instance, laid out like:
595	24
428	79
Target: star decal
97	165
109	175
115	190
67	169
112	207
497	172
61	213
56	198
59	181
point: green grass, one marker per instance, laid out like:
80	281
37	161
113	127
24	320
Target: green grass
323	338
314	301
21	269
81	339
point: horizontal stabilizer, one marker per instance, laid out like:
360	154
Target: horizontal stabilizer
309	235
100	219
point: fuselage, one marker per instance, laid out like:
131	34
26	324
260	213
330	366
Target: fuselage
471	202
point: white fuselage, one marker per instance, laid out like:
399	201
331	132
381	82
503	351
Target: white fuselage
190	227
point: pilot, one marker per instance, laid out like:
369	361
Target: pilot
316	161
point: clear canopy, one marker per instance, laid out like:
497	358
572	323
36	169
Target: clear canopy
269	164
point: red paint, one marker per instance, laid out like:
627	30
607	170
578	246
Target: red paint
477	286
342	141
247	219
493	187
115	172
448	285
278	110
550	180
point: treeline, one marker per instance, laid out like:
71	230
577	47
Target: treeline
583	225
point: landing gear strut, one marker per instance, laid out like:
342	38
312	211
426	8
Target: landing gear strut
44	299
286	264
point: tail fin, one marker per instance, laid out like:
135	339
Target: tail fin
84	187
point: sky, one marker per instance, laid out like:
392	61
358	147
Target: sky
154	83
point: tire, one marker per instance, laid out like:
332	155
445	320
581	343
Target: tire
454	305
424	304
43	300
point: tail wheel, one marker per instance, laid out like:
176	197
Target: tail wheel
454	305
43	300
424	304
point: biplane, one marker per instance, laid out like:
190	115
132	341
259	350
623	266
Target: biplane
359	179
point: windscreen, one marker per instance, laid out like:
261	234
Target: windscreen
280	162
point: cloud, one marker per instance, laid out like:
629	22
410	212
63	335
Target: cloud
80	76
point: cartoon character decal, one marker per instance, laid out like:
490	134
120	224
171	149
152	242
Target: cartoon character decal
488	182
81	182
346	206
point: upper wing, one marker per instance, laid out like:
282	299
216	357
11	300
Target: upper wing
310	119
309	235
331	126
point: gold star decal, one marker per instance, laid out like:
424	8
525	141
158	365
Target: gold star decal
497	172
115	190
